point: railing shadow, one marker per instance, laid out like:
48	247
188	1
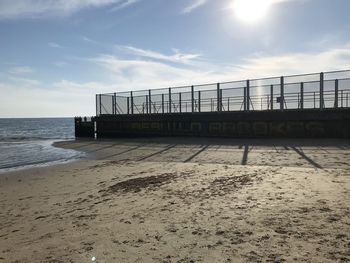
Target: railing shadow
201	144
304	156
197	153
245	155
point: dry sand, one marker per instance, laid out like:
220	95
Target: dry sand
182	200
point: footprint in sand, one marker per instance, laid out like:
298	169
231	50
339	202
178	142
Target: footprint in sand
88	246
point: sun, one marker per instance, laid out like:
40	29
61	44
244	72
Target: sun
251	11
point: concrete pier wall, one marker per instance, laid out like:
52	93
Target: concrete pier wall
84	127
310	123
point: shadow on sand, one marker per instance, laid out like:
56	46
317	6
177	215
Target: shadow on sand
159	146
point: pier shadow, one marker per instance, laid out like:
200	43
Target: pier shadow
197	153
158	152
245	155
229	151
287	143
123	152
103	148
304	156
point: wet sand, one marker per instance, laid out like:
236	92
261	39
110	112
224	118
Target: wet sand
182	200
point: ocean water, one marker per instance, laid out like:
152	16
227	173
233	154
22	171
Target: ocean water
28	142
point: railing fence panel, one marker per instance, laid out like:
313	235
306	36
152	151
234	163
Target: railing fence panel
307	91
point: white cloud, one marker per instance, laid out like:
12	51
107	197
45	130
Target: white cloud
124	4
59	64
69	98
193	5
97	43
177	57
88	39
10	9
37	101
295	63
90	88
20	70
24	82
54	45
145	74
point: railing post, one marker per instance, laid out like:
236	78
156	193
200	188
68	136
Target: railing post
271	97
336	94
282	94
180	101
302	95
112	105
162	102
248	96
321	90
146	104
128	105
150	101
96	100
221	102
169	100
100	100
199	101
218	97
115	103
245	98
192	97
132	102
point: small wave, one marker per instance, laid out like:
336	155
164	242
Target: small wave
18	154
31	138
26	142
23	166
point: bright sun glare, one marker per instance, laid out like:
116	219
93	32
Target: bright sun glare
251	11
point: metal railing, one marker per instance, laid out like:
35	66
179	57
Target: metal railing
315	90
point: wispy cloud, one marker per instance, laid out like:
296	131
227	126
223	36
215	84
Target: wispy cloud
143	73
11	9
193	5
294	63
54	45
87	39
70	97
59	64
95	42
177	57
24	82
53	102
124	4
20	70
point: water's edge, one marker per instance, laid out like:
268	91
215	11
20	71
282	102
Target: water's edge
80	155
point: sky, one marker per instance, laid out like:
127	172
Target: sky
55	55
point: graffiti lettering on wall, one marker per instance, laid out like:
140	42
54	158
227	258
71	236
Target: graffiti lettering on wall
241	129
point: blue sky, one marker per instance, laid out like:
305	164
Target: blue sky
57	54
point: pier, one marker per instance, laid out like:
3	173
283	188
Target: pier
296	106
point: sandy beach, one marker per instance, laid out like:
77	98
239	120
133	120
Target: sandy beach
182	200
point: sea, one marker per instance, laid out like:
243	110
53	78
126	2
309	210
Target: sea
26	143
